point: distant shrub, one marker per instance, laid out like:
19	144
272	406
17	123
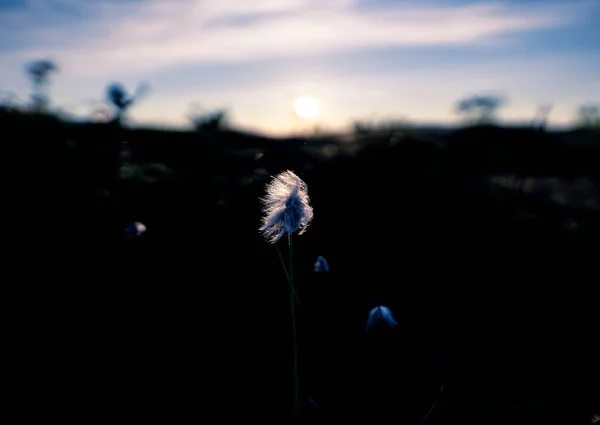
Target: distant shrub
588	117
209	121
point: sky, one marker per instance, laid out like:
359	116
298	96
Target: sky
367	60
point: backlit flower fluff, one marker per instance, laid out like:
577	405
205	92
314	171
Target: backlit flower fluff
321	265
286	207
381	317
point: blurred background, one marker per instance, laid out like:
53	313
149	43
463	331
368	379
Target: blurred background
260	61
451	151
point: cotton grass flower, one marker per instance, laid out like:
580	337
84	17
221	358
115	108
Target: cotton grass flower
287	210
321	265
286	207
380	317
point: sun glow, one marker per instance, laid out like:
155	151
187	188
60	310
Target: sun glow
306	107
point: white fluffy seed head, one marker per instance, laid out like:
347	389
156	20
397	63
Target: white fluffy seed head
286	207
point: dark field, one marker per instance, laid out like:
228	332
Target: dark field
483	241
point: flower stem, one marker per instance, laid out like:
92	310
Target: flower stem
295	339
287	276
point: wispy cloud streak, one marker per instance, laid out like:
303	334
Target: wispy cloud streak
108	37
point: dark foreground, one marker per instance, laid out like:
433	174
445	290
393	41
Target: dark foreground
492	286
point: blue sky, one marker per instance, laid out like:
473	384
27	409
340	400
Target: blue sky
360	59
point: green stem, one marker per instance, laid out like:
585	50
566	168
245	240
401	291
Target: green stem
287	276
292	306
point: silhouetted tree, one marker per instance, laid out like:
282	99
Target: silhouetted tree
480	109
120	98
588	116
39	72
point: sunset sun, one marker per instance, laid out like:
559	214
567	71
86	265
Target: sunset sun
306	107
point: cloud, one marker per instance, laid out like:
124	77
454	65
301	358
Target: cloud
108	38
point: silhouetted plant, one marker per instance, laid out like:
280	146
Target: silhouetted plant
39	72
386	126
361	128
541	117
203	121
480	109
8	100
588	116
120	98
